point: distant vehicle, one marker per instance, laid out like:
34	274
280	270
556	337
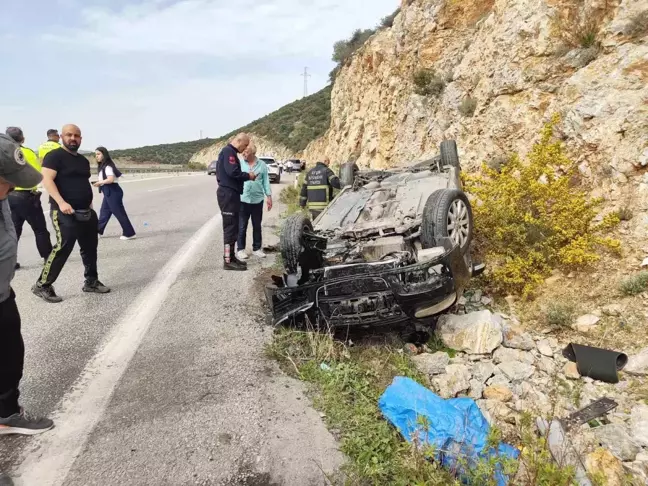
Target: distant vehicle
295	165
211	169
274	169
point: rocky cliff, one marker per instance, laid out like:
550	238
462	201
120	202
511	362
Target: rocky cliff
492	72
264	146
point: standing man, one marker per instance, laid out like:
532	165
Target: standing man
51	144
230	179
317	191
14	171
66	176
25	202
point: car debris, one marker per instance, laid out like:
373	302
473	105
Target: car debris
455	429
593	411
392	248
596	363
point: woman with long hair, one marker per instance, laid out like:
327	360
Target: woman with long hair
113	201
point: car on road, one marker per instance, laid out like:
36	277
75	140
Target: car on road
211	168
274	169
394	247
295	165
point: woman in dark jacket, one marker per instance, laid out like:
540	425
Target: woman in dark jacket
113	201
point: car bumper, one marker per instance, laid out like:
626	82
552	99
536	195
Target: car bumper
373	294
274	177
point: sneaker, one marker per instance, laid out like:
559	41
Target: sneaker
95	287
259	254
241	255
126	238
235	266
46	293
24	424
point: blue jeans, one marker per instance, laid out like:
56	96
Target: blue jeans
113	204
256	212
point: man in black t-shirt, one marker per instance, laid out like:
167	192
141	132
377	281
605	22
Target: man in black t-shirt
66	176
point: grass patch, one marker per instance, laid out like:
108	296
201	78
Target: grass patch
290	196
468	106
560	314
635	284
624	213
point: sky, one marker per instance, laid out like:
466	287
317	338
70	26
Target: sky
143	72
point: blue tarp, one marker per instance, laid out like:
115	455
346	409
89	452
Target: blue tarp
456	428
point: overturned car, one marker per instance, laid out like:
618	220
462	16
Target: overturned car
393	247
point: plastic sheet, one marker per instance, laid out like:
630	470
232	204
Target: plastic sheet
456	429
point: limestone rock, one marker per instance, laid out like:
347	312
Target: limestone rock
571	371
613	310
639	424
547	365
515	337
601	463
503	355
475	333
544	348
455	381
432	364
516	370
476	389
496	410
499	393
586	323
638	364
618	441
483	371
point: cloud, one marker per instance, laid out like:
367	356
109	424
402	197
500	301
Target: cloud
225	29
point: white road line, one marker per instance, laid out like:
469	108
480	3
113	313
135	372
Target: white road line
166	188
50	458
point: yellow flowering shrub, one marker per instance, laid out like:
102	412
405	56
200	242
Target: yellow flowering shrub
531	217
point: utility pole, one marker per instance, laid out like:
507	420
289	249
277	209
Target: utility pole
306	76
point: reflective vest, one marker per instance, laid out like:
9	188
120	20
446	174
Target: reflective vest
30	157
46	148
317	190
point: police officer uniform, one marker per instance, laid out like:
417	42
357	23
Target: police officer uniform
230	179
25	203
46	148
317	191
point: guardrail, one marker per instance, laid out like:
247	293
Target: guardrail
157	170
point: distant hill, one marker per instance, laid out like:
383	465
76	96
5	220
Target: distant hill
293	126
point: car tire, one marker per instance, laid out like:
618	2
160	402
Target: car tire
449	154
347	174
447	214
292	241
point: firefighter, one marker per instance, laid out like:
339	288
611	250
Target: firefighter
25	202
230	179
317	191
53	142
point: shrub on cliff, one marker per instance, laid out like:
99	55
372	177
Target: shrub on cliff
427	83
531	218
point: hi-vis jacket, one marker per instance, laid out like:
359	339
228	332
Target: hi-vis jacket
46	148
317	191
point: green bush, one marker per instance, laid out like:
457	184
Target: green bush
388	21
635	284
560	315
468	106
344	49
427	83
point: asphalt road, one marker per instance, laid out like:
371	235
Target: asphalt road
164	380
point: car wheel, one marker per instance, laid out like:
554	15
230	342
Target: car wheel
347	174
447	214
292	241
449	154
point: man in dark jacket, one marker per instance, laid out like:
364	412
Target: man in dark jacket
317	191
230	179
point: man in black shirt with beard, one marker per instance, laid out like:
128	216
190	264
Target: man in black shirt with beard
66	176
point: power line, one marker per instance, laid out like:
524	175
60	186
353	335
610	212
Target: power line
306	76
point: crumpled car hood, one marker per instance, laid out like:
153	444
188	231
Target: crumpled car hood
393	206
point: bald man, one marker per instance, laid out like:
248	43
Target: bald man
66	177
230	179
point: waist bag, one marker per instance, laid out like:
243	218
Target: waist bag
83	215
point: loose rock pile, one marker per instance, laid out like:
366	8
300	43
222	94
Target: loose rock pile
508	372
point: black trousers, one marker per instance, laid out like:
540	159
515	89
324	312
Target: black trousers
113	204
229	202
26	206
68	232
12	356
255	212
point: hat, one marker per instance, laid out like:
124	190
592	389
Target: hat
13	166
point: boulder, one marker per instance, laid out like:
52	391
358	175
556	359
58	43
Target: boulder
613	310
586	323
544	348
571	371
432	364
515	337
638	364
483	371
474	333
615	438
639	424
476	389
602	464
504	355
455	381
517	370
498	379
496	411
499	393
547	365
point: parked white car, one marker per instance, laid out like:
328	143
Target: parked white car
274	169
